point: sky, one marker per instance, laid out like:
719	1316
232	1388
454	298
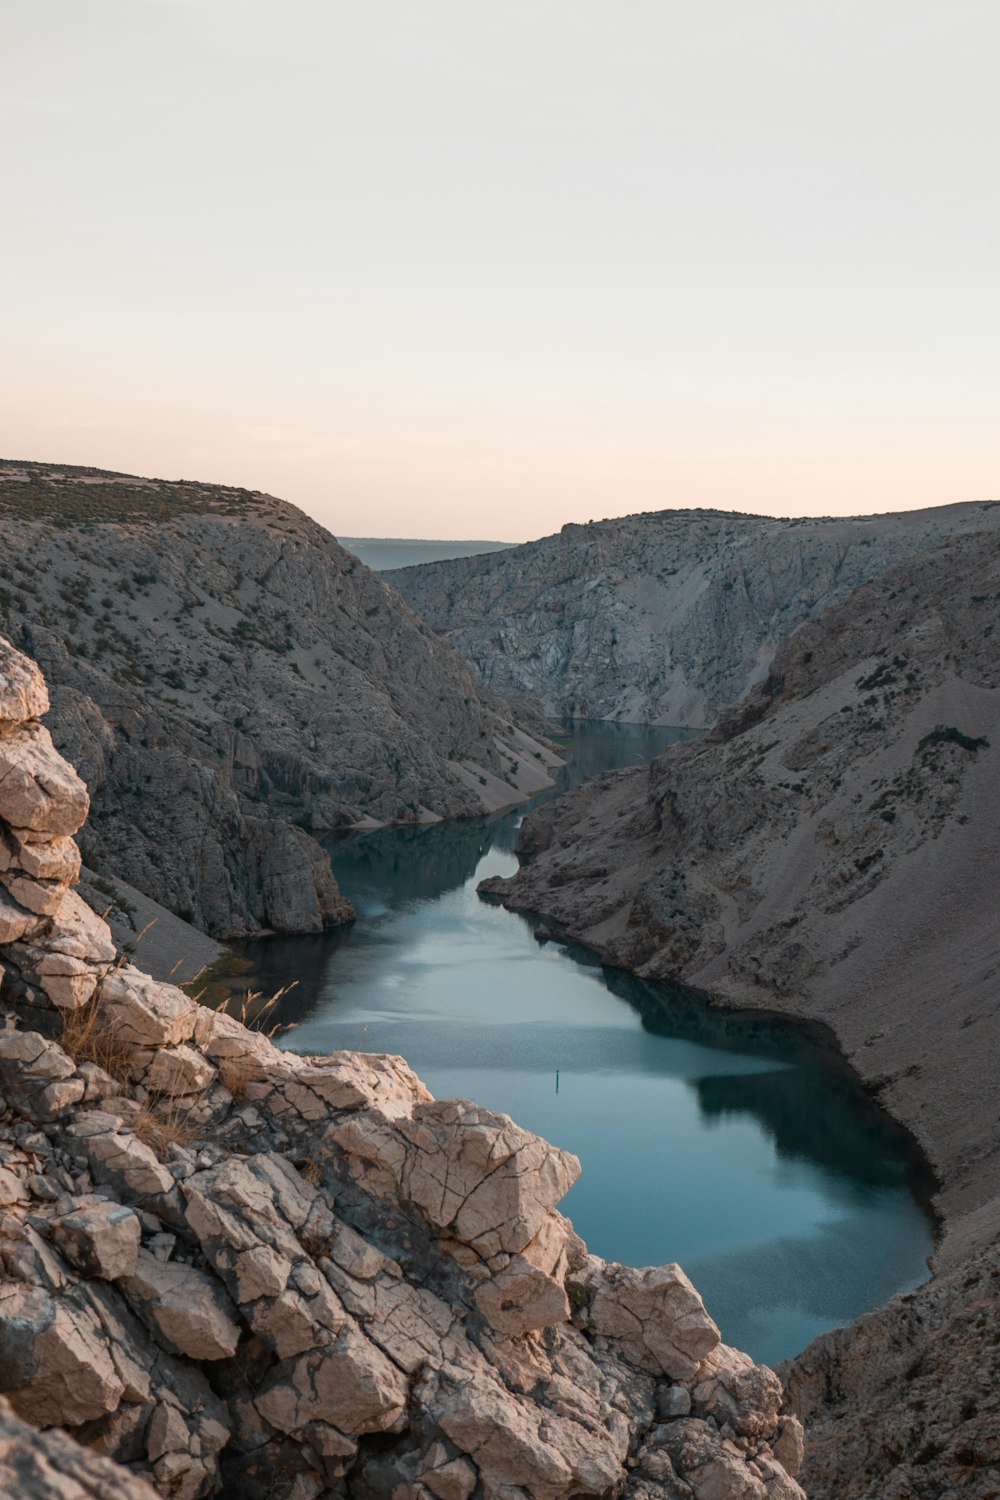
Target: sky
476	268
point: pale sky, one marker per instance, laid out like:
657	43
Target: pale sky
454	268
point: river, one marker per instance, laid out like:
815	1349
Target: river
731	1144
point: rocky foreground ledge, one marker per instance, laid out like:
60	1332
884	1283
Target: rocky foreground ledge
228	1269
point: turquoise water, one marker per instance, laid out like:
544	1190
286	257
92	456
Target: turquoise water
732	1145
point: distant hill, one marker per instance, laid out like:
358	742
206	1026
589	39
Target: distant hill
383	552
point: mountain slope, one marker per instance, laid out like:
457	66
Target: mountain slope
665	617
231	682
831	852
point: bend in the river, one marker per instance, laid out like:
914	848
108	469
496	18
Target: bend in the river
732	1144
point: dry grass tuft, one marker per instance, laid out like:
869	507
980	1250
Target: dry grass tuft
84	1039
253	1012
164	1121
236	1073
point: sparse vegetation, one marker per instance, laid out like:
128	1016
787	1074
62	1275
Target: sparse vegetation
69	495
949	735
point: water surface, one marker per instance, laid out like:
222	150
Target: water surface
731	1144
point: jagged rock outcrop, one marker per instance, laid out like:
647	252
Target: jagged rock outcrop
665	617
233	685
233	1270
830	851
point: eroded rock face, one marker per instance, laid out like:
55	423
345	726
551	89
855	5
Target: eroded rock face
662	618
223	1266
238	687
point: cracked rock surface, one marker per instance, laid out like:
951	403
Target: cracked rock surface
226	1269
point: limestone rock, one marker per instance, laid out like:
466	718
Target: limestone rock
143	1012
51	1466
499	1183
39	791
736	1392
178	1071
16	922
521	1298
23	692
348	1383
712	1467
39	856
187	1309
53	1364
100	1238
118	1158
69	982
654	1316
37	1075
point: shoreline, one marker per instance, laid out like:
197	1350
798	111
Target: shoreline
819	1033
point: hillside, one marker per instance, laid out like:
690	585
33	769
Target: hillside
830	852
234	685
665	617
228	1269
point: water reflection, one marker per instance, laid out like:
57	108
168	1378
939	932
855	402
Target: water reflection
731	1143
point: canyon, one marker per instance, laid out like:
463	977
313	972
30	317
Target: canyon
230	1269
235	687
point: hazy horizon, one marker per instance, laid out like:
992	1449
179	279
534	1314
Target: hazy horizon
453	271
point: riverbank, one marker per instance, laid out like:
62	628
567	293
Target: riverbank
830	852
790	1218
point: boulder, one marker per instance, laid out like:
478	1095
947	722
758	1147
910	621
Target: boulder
349	1384
522	1298
23	690
142	1012
178	1071
37	1076
500	1180
54	1363
51	1466
117	1157
734	1391
185	1308
39	791
654	1317
100	1238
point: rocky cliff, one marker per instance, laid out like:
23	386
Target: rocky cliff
830	852
665	617
228	1269
231	682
